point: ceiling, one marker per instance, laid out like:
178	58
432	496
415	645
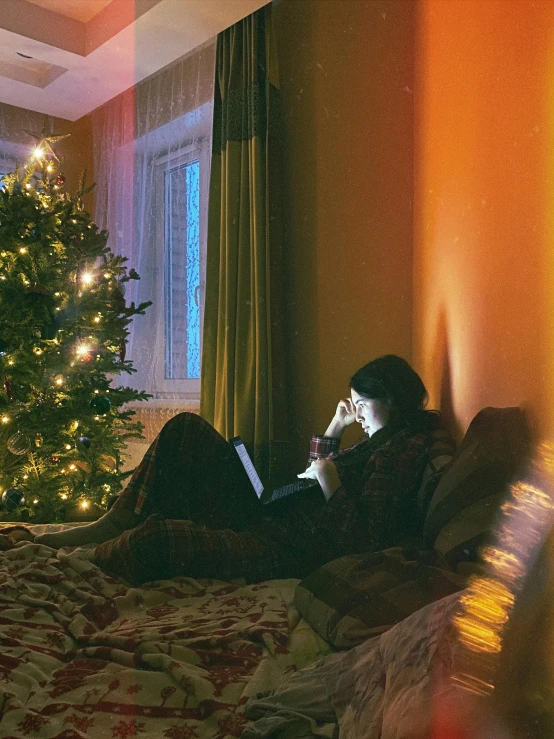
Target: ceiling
66	57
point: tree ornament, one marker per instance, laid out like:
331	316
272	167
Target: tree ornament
107	463
49	331
85	441
60	179
38	440
100	404
4	348
44	148
8	388
122	350
82	465
54	459
13	498
18	444
39	297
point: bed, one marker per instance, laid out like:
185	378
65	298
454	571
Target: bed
83	655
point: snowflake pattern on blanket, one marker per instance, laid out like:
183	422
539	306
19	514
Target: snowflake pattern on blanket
83	655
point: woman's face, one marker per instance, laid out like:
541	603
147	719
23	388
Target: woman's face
371	413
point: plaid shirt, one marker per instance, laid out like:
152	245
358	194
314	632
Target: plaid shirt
374	508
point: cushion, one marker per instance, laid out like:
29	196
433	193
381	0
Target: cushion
360	595
439	456
463	509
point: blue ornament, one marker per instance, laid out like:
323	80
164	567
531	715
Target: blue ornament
12	498
85	441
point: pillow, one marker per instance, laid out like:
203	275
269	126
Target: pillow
439	456
464	506
358	596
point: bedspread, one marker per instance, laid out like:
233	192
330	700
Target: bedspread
385	688
84	655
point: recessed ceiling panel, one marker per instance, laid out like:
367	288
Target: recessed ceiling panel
29	71
80	10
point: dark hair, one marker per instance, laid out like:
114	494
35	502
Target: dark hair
391	378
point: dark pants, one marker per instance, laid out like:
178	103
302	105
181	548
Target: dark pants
196	512
191	472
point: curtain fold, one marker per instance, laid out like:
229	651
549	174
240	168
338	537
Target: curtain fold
243	389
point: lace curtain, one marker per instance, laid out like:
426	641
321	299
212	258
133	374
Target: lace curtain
152	147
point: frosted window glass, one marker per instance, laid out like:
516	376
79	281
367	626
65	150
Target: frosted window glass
182	271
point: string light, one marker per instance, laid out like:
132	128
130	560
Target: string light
23	250
68	446
87	278
38	153
82	350
84	504
5	419
63	496
35	501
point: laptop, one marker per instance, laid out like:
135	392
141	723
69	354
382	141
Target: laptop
281	492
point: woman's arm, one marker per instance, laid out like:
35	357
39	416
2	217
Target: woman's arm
344	416
325	472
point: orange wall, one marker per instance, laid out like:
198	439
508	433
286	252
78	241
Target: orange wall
484	206
346	73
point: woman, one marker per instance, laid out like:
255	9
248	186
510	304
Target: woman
189	509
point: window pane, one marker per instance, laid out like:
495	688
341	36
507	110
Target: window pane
182	271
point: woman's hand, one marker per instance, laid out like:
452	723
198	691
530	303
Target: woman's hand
344	416
325	472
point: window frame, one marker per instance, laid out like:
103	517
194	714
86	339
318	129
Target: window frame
162	163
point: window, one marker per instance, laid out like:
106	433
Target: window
182	270
181	184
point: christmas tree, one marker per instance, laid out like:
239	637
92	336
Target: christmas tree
63	330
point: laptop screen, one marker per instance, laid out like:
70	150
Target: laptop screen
248	465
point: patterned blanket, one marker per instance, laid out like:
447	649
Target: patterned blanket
82	655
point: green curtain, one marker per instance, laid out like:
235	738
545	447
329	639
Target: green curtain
243	356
